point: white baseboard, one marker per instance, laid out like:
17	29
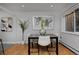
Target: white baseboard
71	48
21	42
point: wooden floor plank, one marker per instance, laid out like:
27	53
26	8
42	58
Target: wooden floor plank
19	49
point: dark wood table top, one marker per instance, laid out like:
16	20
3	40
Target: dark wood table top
36	35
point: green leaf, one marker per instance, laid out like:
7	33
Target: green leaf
23	25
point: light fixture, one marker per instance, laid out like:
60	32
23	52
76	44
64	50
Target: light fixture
51	6
22	5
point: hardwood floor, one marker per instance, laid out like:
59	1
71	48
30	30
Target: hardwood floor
18	49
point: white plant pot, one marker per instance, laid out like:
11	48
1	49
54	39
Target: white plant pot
22	42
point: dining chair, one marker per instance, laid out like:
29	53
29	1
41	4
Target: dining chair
34	43
2	46
53	43
44	41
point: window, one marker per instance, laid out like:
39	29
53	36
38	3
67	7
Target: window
77	20
72	21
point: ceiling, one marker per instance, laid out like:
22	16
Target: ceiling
36	7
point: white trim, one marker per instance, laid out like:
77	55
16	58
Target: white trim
71	9
74	22
74	50
72	33
14	42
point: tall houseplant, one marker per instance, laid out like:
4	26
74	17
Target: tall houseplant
23	26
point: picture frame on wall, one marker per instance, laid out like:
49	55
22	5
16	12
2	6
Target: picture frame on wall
48	21
6	24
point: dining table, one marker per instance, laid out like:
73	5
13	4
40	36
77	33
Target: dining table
36	36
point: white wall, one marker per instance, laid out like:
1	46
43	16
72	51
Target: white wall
9	36
15	35
70	39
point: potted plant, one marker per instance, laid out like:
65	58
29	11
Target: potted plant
23	26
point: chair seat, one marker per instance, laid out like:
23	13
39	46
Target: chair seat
44	40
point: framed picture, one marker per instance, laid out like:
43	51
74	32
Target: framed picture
6	24
45	22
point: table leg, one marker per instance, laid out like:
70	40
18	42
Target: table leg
57	46
51	43
28	46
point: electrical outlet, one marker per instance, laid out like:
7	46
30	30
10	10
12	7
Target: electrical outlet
60	37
